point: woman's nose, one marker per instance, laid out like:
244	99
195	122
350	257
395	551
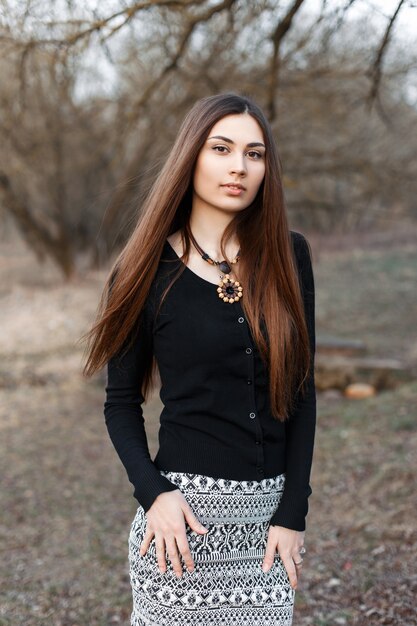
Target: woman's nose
238	166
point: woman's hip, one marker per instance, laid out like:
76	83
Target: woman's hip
237	514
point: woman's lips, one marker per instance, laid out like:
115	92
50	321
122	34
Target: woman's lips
233	191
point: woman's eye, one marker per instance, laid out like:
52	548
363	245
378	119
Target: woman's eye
252	153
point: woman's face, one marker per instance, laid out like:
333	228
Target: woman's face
234	152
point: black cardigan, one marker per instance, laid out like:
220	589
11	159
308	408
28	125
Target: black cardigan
216	418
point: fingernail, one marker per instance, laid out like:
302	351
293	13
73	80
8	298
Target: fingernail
264	567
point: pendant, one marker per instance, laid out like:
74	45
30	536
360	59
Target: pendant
229	290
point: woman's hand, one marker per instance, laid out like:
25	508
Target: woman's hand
288	543
165	521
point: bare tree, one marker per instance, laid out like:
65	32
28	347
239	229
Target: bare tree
78	153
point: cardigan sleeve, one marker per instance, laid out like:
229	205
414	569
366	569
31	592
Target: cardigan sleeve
300	428
124	415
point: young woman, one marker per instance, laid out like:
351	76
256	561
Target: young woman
216	294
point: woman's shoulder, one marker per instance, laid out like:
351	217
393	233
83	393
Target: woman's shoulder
297	238
303	256
301	246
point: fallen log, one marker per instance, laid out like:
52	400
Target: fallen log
337	372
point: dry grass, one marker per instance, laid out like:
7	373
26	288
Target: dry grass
67	504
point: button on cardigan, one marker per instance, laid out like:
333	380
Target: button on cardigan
216	418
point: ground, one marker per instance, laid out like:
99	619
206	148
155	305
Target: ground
67	504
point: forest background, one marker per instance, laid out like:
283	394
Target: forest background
91	98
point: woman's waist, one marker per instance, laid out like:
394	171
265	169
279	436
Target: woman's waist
251	460
216	499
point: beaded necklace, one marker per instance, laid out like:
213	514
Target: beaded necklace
228	290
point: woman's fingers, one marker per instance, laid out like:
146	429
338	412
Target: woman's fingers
269	556
286	558
184	548
290	567
288	542
168	521
163	545
293	571
173	555
192	520
298	563
160	552
146	541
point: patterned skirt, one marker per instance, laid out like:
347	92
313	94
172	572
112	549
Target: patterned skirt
227	586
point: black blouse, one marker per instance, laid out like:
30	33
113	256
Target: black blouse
216	418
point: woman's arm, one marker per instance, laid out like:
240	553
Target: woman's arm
124	415
300	428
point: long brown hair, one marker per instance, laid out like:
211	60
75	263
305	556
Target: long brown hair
267	266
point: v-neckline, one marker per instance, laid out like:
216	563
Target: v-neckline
208	282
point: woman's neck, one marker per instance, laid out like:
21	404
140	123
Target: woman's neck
208	231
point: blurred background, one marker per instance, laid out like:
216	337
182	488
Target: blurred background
91	98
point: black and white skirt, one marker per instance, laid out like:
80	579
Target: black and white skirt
227	586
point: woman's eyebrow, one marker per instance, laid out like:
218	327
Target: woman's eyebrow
250	145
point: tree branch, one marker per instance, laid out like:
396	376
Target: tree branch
277	37
376	70
192	23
